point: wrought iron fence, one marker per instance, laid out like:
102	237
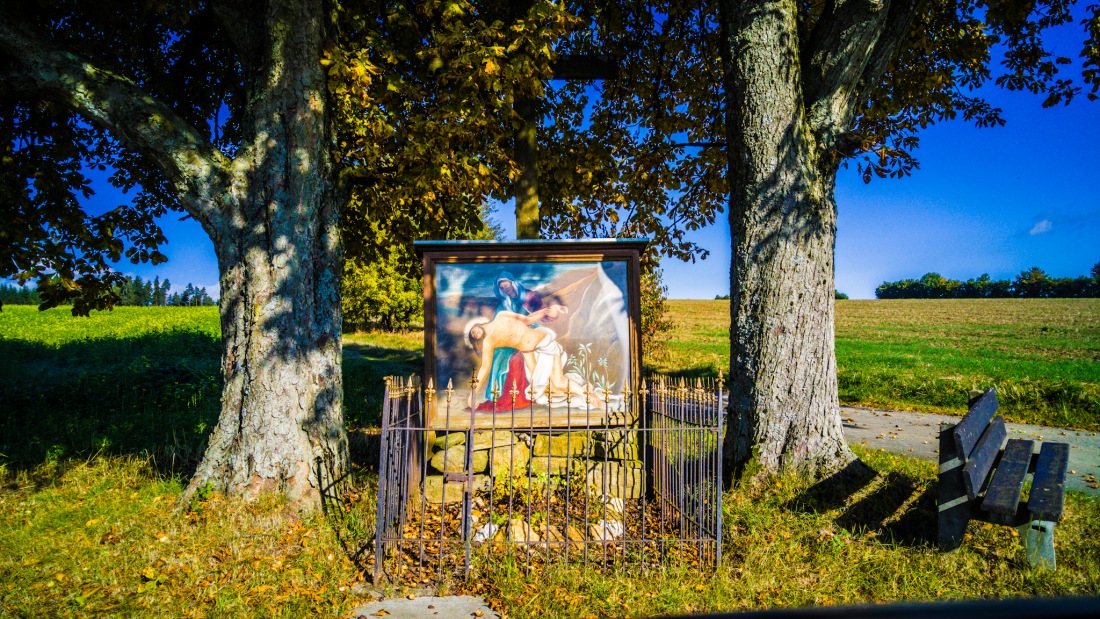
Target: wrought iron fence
639	487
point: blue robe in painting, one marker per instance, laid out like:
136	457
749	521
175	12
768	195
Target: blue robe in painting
519	304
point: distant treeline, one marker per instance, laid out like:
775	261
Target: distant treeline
135	291
18	295
1034	283
132	291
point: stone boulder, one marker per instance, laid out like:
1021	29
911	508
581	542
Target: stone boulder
510	460
561	445
453	460
436	491
624	480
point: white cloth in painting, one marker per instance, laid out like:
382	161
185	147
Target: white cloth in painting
546	354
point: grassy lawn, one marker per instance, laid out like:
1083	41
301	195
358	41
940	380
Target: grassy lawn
103	418
100	538
144	381
1043	355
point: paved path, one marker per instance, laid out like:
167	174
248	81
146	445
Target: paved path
427	607
915	434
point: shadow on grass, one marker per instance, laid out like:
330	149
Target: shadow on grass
156	396
689	373
365	368
895	506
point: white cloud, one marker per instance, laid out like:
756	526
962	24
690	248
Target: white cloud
1042	227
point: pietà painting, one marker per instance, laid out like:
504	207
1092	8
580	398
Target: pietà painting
548	340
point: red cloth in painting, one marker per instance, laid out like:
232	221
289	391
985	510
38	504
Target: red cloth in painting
517	375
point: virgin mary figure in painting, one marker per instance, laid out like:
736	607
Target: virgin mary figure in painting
515	298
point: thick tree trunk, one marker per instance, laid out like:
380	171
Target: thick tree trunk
280	259
783	390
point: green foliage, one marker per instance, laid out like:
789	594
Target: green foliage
379	294
637	155
949	51
840	296
656	324
1033	283
177	52
424	96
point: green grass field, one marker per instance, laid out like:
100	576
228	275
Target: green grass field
146	380
1043	355
103	419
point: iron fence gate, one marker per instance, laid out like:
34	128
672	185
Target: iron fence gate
640	487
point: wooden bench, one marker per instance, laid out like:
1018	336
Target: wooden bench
982	476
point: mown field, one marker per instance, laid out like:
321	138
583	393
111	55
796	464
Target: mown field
102	419
1043	355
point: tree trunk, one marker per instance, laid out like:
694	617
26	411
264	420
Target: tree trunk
280	258
783	390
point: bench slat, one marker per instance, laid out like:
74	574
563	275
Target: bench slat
1003	495
981	459
1048	490
969	430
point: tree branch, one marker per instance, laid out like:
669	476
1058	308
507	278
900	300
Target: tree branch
233	17
851	46
197	170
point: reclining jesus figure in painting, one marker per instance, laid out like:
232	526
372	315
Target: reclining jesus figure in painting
543	379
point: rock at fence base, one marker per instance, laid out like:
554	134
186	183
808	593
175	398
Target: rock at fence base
455	460
618	479
561	445
607	530
555	536
615	451
616	445
446	441
617	437
484	533
549	465
550	533
435	491
511	460
490	439
429	444
613	504
520	531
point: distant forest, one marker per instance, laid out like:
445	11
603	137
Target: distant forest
134	291
1034	283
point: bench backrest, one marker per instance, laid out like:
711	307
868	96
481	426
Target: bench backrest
969	430
979	440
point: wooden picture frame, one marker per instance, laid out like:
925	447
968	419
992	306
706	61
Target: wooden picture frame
531	333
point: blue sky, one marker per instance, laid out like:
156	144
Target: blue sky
995	201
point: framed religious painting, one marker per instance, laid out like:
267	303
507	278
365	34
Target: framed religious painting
531	333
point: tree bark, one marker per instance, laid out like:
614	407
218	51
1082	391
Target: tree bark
273	214
527	183
783	391
280	260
